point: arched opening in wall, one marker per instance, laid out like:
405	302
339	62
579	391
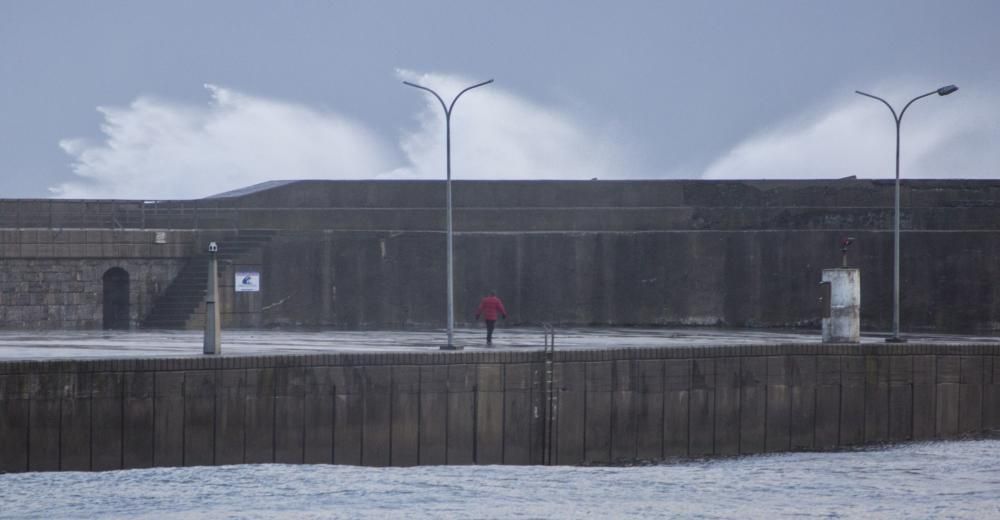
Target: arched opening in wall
116	311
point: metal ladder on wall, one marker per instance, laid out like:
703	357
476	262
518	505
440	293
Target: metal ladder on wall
550	393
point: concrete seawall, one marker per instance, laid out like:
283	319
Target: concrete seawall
380	409
354	255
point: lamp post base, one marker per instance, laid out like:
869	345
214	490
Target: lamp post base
451	347
895	339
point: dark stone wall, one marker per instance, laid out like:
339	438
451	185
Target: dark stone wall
371	254
757	278
405	409
740	254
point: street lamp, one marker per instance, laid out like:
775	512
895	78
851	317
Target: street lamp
943	91
447	133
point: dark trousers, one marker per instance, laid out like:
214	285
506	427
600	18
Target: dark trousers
490	324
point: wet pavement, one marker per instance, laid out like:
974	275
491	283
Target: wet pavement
23	345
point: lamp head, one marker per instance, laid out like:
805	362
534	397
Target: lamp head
944	91
213	247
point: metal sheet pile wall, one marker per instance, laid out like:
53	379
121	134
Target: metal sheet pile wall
406	409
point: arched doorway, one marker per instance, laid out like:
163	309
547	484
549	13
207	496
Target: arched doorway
116	311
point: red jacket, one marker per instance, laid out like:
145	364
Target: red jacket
489	307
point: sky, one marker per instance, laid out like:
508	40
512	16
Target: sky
185	99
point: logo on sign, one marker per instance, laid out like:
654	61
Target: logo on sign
247	281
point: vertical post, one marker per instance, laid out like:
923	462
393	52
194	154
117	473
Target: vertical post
844	244
212	326
450	261
895	268
451	251
551	405
943	91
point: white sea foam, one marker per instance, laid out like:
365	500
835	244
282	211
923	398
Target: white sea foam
160	149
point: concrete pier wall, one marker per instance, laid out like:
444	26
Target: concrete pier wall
404	409
373	280
371	254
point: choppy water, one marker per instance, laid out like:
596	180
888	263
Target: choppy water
934	480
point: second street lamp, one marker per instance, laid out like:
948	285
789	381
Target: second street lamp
447	130
943	91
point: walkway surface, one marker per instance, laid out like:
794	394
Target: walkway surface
21	345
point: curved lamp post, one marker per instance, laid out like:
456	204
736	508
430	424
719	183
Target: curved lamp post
943	91
447	133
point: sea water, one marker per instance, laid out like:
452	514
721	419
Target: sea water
958	479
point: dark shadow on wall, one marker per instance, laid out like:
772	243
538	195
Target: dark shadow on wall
116	305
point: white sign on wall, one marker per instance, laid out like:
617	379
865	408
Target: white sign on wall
247	281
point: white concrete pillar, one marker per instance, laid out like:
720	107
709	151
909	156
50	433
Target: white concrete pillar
842	316
213	340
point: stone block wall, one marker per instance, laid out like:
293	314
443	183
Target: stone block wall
59	294
53	279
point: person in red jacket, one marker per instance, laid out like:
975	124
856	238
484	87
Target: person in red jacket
489	308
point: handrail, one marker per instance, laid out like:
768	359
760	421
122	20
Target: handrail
550	336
